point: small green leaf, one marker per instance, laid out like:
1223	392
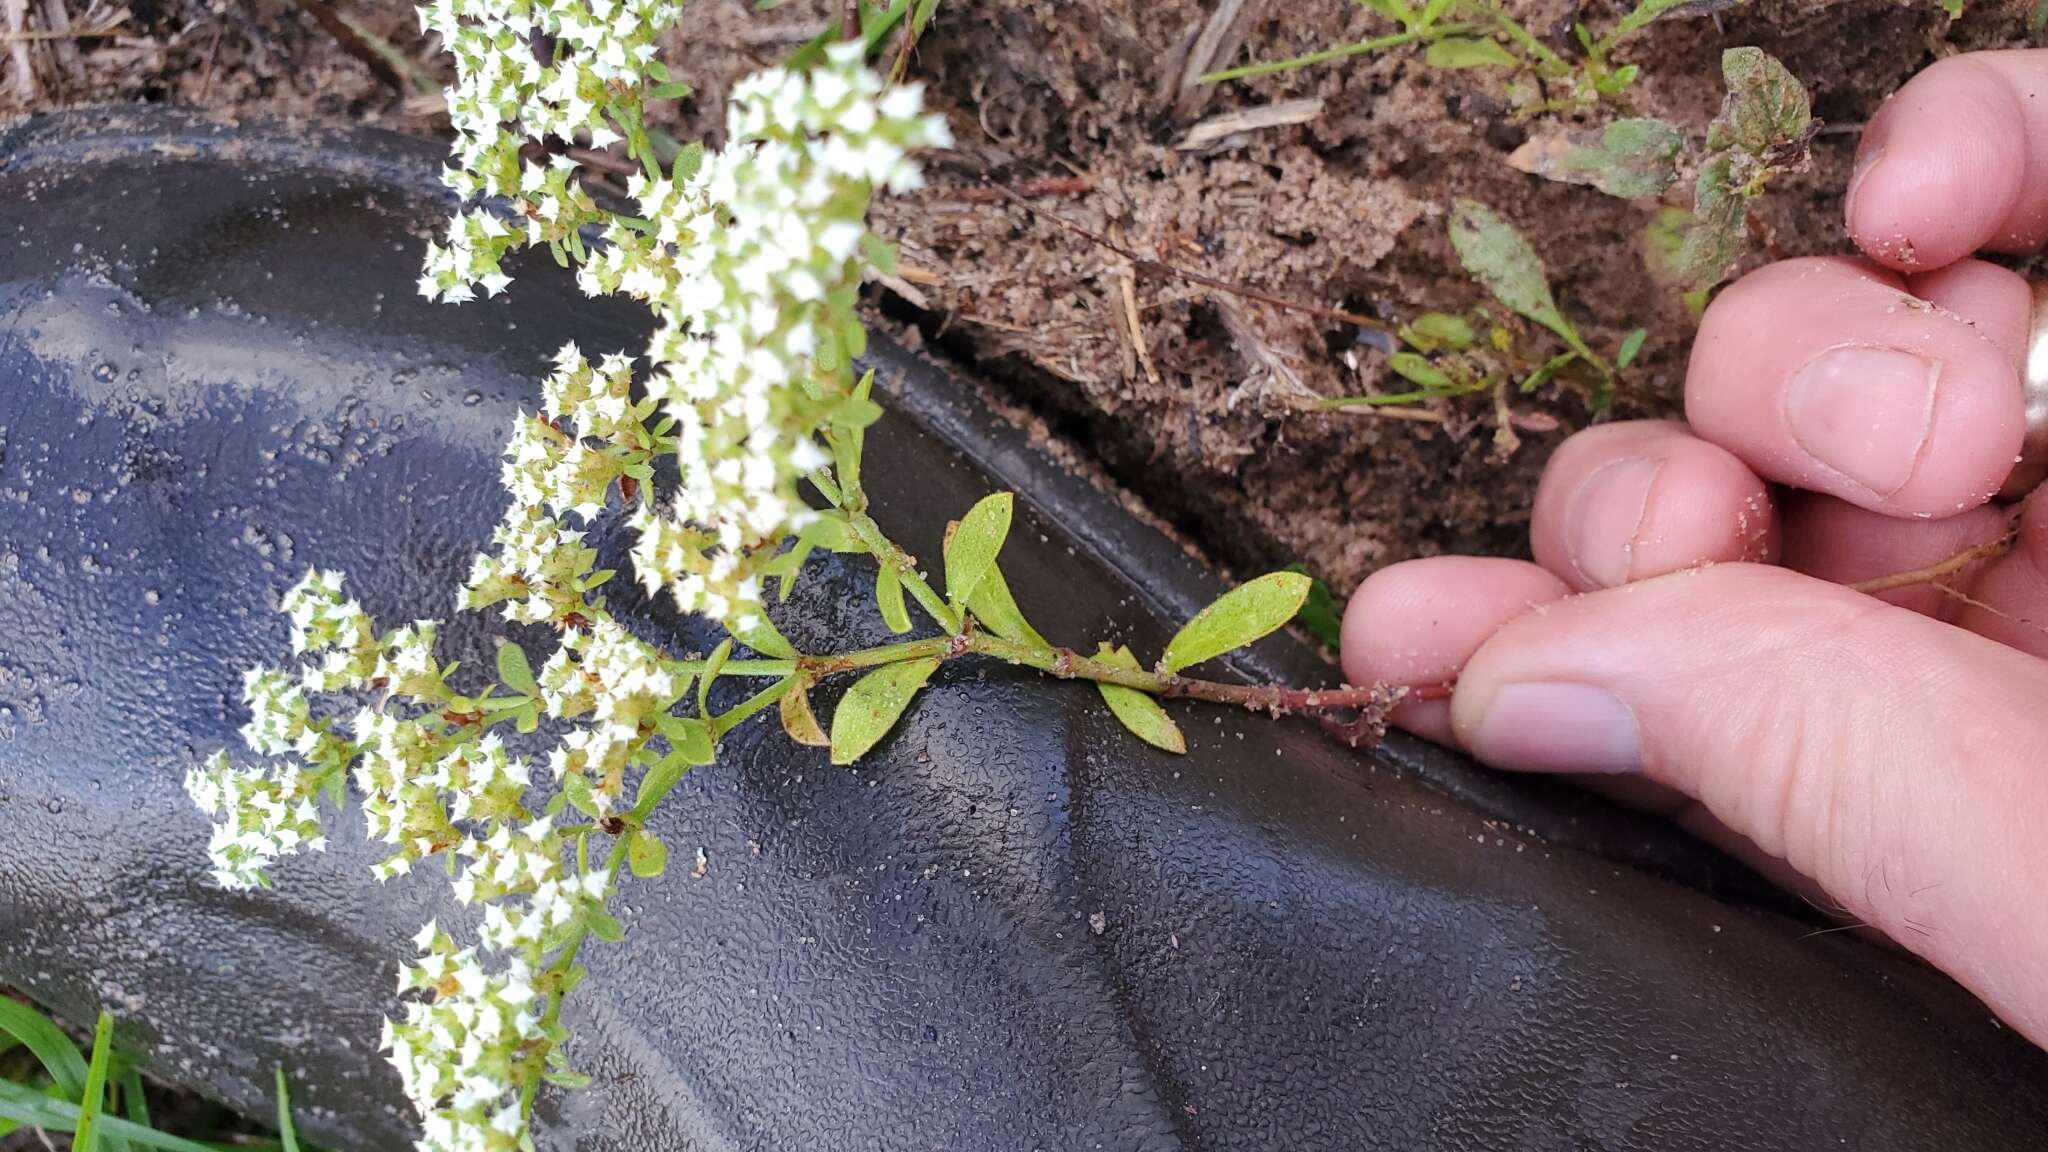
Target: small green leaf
1468	52
1664	245
872	706
1414	368
1498	257
880	254
1442	329
689	159
1137	711
688	738
1549	368
713	664
799	720
576	787
674	90
1631	159
567	1079
604	926
1239	617
646	855
766	639
971	548
1631	344
1320	614
513	670
889	597
997	610
1766	107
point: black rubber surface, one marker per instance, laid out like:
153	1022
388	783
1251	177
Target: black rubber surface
214	373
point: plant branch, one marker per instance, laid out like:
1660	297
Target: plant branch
885	550
1359	48
1942	569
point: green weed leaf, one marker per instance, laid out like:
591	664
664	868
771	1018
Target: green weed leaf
1136	710
1432	330
873	705
713	665
766	639
646	855
513	670
1320	614
1631	159
1414	368
48	1043
94	1098
1239	617
889	598
971	548
287	1132
1631	345
1498	257
997	610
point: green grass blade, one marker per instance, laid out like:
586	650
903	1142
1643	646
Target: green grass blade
60	1057
131	1096
286	1134
95	1095
31	1108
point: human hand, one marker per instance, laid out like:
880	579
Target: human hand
1692	628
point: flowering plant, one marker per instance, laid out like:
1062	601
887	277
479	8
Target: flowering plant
750	258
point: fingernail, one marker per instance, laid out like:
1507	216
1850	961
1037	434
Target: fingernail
1605	517
1558	727
1864	413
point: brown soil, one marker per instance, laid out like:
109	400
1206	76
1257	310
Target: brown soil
1078	104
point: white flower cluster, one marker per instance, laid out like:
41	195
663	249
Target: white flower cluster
460	1047
529	69
605	673
263	815
332	628
751	264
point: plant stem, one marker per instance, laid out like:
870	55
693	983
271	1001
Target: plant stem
1522	39
1362	47
885	550
558	972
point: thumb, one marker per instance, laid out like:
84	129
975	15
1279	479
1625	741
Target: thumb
1898	762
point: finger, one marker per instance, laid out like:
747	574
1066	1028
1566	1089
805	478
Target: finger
2008	601
1955	161
1827	375
1847	545
1623	502
1891	758
1995	301
1417	622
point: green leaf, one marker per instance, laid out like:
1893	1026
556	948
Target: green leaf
1414	368
1239	617
1631	344
1498	257
799	720
1468	52
603	926
713	664
95	1095
688	738
1320	613
1713	241
1136	710
766	639
1549	368
576	787
889	597
847	440
674	90
997	610
565	1078
879	253
1664	245
1766	108
971	547
1432	11
872	706
513	670
646	855
58	1055
1442	329
688	161
1630	159
287	1132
